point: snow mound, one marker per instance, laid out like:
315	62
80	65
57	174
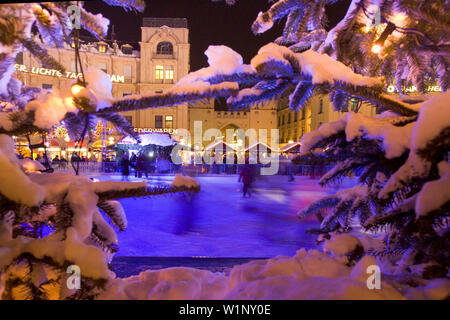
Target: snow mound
341	245
100	86
51	108
156	138
184	181
29	165
306	275
395	140
434	116
15	184
322	68
223	59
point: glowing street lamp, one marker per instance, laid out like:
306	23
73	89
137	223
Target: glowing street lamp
376	48
76	88
379	44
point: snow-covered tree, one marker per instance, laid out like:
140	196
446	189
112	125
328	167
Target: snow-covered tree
403	40
401	156
51	221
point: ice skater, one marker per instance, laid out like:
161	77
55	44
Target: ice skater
125	166
246	176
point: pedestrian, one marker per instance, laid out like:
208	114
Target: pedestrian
125	166
290	171
75	157
145	164
246	176
139	165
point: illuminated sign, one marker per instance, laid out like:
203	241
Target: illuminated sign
160	130
392	89
58	74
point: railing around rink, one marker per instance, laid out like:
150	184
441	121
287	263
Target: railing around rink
190	169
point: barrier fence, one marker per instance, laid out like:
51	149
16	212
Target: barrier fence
167	167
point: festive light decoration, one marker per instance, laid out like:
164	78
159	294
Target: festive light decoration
76	89
376	48
379	44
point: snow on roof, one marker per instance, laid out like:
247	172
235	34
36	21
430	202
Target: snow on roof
257	144
214	144
289	146
156	138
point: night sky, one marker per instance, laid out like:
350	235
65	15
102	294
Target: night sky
209	23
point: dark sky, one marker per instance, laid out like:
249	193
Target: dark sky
209	23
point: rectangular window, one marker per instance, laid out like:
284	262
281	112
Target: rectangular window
127	72
169	122
295	116
102	66
102	48
47	86
321	106
158	122
159	73
169	72
126	94
303	112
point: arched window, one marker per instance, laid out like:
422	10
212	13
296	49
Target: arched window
164	48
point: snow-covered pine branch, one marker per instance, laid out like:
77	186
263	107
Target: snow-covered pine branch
417	48
69	206
402	163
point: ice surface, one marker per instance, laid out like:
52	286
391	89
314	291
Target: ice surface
218	222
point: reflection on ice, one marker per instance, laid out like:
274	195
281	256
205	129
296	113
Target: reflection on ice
219	221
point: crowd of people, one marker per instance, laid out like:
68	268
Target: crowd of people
142	163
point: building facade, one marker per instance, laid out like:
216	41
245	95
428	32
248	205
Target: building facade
162	60
294	124
218	115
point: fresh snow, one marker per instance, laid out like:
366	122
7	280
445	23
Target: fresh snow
322	68
15	183
395	140
184	181
341	245
29	165
263	26
434	117
434	195
156	138
308	275
51	108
